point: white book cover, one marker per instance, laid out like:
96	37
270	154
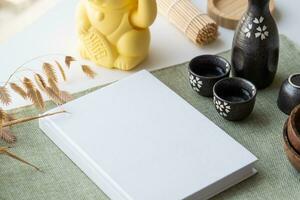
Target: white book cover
138	140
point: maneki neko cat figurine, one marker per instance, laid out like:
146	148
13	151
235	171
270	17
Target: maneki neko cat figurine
115	33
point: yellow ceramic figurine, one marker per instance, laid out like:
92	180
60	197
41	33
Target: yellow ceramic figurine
115	33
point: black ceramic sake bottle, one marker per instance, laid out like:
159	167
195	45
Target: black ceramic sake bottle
255	49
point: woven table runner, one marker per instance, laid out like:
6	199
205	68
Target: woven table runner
261	133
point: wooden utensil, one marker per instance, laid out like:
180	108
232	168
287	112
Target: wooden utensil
293	128
292	154
227	13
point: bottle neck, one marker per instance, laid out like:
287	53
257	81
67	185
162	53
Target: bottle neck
259	6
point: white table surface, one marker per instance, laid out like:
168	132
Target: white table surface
54	32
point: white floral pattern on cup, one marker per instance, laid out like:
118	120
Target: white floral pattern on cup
227	67
196	83
223	108
253	90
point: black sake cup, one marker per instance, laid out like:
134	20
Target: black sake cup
234	98
205	71
289	94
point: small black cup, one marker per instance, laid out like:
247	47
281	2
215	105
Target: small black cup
234	98
289	95
205	71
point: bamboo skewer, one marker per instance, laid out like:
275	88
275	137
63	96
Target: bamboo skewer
197	26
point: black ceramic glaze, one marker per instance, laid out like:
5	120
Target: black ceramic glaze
255	48
289	95
205	71
234	98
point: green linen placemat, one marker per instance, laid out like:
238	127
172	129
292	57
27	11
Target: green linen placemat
261	133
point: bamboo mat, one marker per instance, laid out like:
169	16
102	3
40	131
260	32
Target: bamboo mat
196	25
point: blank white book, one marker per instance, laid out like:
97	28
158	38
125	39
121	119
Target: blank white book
138	140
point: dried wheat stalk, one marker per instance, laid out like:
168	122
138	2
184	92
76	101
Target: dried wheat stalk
50	72
88	71
40	82
27	119
40	104
62	72
197	26
3	117
28	84
7	135
17	89
68	60
53	92
65	96
4	96
53	85
54	96
4	150
9	118
33	94
37	100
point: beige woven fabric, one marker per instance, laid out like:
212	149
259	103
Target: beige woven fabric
261	133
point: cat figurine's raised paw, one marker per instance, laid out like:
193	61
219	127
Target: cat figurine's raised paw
115	33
